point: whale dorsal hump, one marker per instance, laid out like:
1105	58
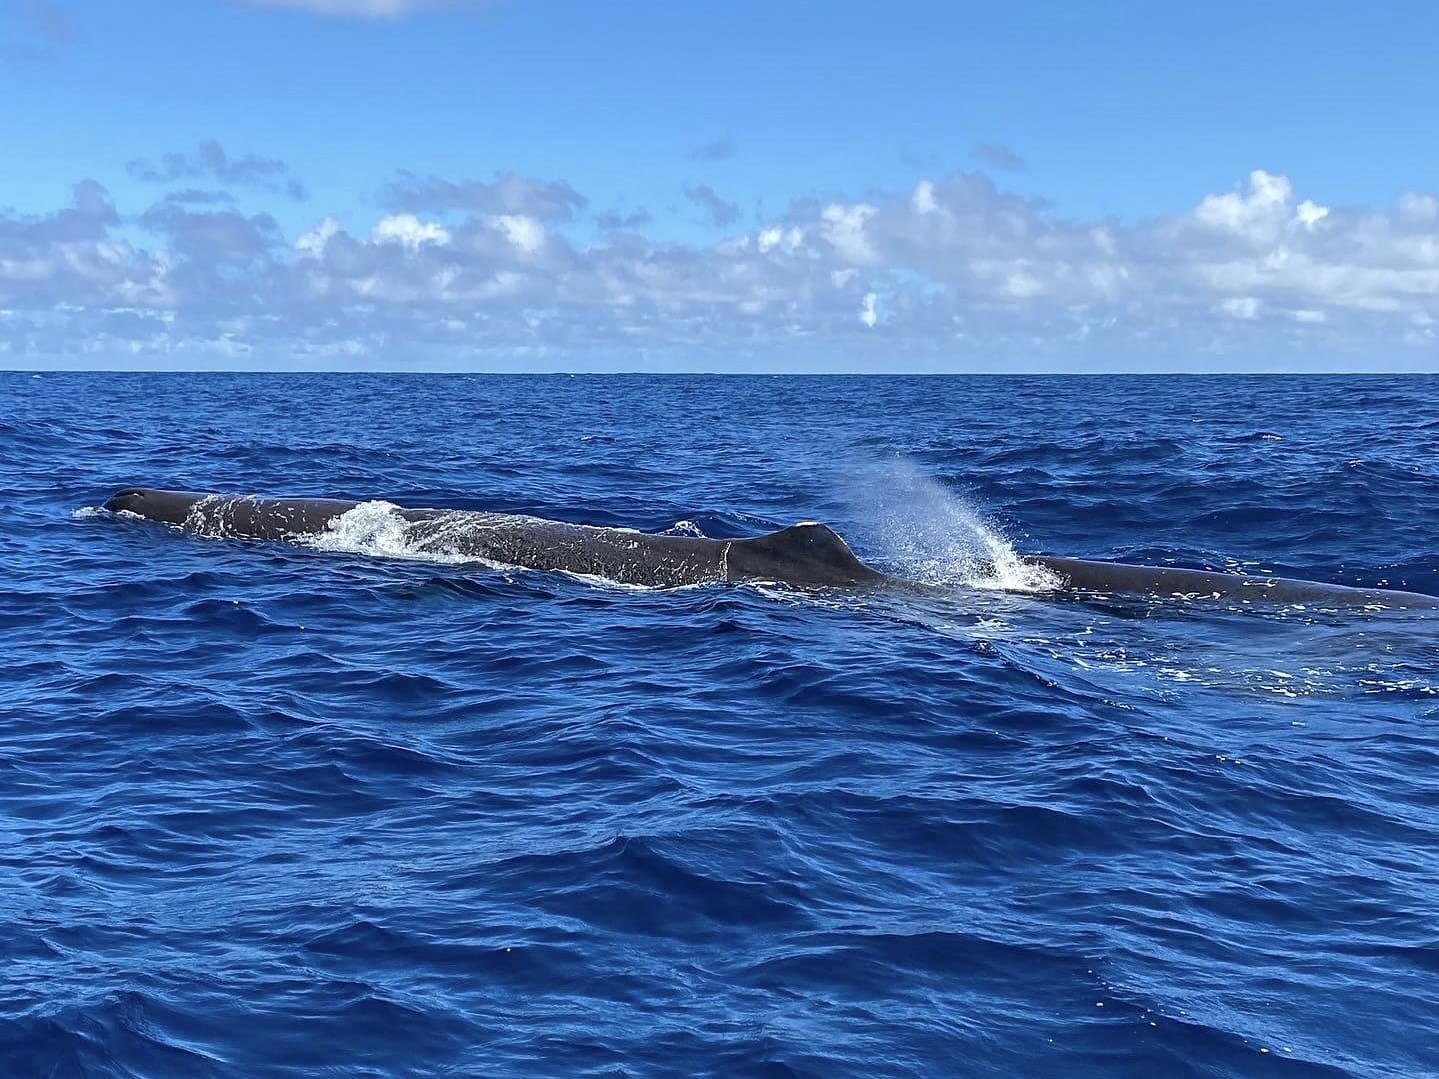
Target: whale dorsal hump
806	553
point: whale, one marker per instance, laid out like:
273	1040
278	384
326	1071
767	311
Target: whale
1093	577
808	554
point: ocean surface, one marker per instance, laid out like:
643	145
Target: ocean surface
274	810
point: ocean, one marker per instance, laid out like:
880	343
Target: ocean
275	809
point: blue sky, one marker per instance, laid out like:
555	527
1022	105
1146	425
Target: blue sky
522	184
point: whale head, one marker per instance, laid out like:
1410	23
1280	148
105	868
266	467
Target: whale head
172	507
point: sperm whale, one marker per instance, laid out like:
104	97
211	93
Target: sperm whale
806	554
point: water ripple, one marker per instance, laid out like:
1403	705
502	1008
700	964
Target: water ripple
269	810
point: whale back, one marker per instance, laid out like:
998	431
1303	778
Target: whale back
1085	575
806	553
803	554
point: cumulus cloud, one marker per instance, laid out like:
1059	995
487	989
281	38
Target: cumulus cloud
209	161
998	156
211	238
507	193
719	212
72	259
408	231
950	270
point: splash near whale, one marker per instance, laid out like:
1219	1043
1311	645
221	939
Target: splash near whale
806	554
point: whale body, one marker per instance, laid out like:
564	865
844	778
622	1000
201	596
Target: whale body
806	554
1123	578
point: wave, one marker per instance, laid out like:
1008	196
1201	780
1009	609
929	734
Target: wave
480	822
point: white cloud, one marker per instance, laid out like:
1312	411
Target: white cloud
1242	307
524	232
778	238
1310	214
312	243
923	200
407	230
1256	214
950	270
1417	207
867	313
844	228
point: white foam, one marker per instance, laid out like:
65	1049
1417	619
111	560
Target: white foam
199	521
596	581
376	528
684	528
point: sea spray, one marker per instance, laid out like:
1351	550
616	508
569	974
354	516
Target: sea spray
376	528
930	534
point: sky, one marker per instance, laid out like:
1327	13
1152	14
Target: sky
754	186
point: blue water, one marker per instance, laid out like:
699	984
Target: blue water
272	810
